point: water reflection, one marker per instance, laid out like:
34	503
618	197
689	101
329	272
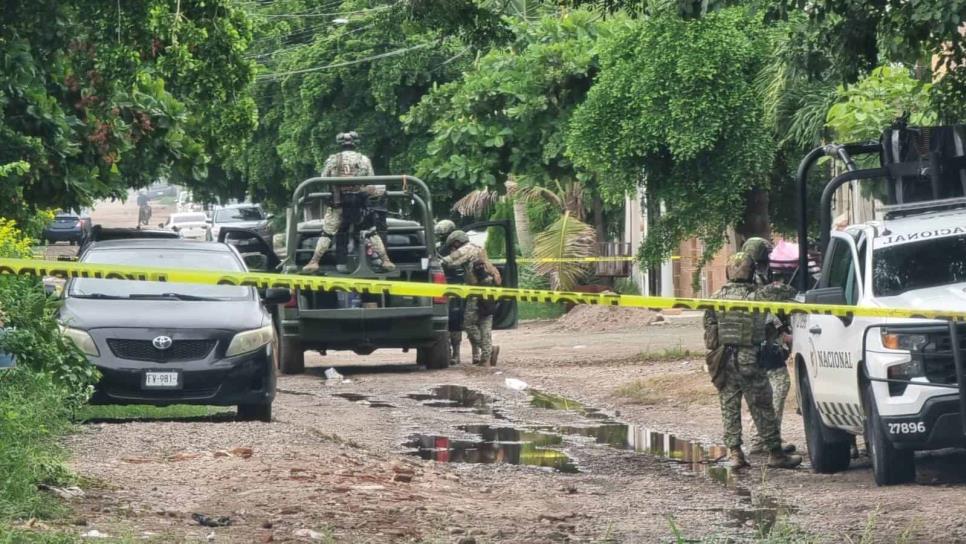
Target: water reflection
495	445
363	399
458	396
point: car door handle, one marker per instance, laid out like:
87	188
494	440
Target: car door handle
815	329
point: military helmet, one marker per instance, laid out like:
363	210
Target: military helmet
444	228
757	248
347	139
741	267
457	238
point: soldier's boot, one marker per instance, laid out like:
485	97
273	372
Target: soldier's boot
777	458
759	447
454	341
494	355
379	251
320	248
737	459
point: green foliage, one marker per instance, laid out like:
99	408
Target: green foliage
863	110
567	238
99	96
675	109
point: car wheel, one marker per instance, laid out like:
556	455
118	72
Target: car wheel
890	466
255	412
829	450
291	356
435	356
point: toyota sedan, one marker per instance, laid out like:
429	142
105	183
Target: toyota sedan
168	343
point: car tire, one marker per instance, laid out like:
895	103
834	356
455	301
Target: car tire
255	412
890	466
291	356
436	356
829	450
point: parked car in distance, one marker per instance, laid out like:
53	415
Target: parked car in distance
67	227
243	216
190	225
165	343
160	190
186	203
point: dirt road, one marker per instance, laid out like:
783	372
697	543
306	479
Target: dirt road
400	454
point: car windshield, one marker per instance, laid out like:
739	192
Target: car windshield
162	258
188	218
906	267
237	215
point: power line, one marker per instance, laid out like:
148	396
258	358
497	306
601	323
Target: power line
394	53
330	14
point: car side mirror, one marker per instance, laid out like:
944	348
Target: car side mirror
160	225
826	295
269	216
277	295
255	261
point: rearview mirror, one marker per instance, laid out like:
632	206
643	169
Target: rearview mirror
826	295
276	295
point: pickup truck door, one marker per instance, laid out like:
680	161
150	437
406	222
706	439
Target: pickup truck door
506	310
257	253
835	343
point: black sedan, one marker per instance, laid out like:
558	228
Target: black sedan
67	227
168	343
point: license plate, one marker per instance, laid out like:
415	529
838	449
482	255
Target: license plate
162	380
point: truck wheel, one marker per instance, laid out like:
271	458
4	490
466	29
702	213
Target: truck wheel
255	412
890	466
829	450
291	356
436	356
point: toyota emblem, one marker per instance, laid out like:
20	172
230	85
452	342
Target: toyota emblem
162	342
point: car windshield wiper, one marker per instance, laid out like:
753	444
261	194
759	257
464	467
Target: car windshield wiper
169	296
100	296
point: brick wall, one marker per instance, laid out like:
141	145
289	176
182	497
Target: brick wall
713	274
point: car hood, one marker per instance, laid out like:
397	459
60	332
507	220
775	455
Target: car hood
943	297
85	313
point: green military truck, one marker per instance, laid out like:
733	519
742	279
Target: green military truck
362	322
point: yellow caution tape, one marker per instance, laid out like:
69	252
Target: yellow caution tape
67	270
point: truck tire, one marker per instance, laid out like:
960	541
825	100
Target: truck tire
436	356
255	412
291	356
829	450
890	466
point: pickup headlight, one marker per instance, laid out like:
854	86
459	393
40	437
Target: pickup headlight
81	339
248	341
906	342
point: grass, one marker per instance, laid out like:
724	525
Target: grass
782	532
677	388
137	411
529	311
676	353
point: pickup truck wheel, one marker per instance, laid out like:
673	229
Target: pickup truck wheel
436	356
291	356
255	412
890	466
826	456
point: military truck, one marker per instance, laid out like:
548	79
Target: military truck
362	322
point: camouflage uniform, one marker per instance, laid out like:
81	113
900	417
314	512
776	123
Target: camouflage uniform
346	164
741	332
777	377
456	305
478	327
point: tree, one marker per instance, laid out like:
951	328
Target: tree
675	109
98	97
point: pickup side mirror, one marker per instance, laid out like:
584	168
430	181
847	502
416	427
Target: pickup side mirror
255	261
276	295
826	295
269	217
160	225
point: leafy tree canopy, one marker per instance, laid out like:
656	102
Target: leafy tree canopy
675	109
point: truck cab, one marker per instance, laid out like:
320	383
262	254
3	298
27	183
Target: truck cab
894	380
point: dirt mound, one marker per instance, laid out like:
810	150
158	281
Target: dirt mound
589	318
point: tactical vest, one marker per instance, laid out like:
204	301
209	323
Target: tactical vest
737	328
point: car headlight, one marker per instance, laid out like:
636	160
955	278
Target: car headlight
248	341
907	342
81	339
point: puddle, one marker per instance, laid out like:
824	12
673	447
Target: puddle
495	445
542	399
458	397
363	399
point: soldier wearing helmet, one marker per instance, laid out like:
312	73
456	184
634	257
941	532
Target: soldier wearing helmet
347	163
442	230
773	351
736	336
478	315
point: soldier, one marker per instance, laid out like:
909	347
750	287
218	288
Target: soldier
738	334
346	163
775	366
442	230
478	315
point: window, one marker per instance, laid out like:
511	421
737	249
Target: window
919	265
842	272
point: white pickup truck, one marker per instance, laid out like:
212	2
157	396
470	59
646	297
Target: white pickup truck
893	380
